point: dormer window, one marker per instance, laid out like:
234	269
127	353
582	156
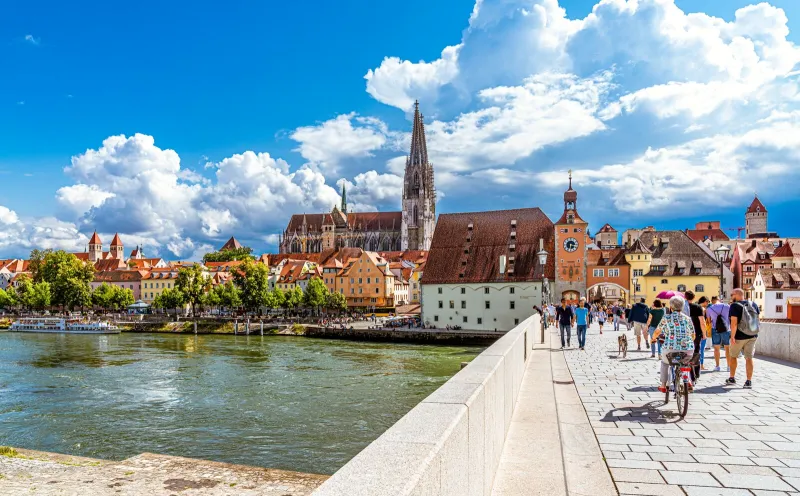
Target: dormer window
570	219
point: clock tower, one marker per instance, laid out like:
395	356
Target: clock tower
571	245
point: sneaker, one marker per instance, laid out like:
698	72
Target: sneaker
748	384
716	369
562	347
730	381
652	355
638	348
662	389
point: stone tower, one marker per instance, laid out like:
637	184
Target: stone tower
117	250
571	246
419	192
756	218
95	248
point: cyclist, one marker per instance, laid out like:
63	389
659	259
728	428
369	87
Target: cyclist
678	333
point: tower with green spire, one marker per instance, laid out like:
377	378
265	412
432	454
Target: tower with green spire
344	199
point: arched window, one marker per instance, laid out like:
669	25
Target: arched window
415	186
386	244
699	288
681	287
416	216
372	244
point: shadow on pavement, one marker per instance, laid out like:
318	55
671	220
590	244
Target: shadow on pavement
635	414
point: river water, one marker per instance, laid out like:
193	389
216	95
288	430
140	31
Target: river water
300	404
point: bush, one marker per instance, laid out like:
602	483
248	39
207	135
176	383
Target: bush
8	451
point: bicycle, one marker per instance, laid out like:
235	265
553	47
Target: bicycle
680	377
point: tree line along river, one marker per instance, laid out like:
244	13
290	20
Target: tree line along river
301	404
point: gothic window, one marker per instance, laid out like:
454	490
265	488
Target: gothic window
415	186
416	216
372	244
386	244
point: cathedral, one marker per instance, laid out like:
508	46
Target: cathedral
410	229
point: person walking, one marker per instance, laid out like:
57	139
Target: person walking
718	316
696	315
601	317
616	315
744	326
566	319
582	321
703	302
551	313
653	319
639	315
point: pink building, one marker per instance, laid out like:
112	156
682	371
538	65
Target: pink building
127	279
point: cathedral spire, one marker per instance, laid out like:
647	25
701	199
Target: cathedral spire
344	199
419	148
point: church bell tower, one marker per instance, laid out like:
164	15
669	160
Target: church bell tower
571	249
419	193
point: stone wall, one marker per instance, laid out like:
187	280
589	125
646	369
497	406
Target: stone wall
423	336
449	444
779	341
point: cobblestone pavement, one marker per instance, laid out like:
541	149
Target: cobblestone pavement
733	442
34	472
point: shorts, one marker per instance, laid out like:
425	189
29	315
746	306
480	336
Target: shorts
746	346
721	338
640	328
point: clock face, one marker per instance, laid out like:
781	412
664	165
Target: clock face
570	244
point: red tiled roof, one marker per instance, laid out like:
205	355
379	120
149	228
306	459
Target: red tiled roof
109	264
756	206
116	241
699	235
489	239
120	276
606	258
783	251
607	228
416	256
357	221
95	240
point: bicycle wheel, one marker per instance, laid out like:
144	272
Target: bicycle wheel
683	408
666	395
677	384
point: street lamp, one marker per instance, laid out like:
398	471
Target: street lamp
542	256
635	286
721	254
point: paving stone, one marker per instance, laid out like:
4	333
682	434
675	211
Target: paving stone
636	475
634	488
724	460
715	491
709	468
756	482
671	457
645	457
689	478
751	470
627	440
634	464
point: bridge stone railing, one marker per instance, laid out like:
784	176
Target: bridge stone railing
780	341
449	444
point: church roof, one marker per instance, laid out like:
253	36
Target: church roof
419	148
232	244
116	241
467	247
756	206
95	239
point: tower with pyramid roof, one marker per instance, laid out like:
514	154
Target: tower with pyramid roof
419	192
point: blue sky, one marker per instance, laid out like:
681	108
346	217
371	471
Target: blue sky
669	112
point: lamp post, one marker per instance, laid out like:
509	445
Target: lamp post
721	254
542	255
635	291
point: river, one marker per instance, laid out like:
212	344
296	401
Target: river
301	404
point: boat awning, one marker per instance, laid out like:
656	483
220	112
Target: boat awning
139	304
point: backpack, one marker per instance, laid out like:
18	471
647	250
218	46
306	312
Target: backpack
720	325
748	324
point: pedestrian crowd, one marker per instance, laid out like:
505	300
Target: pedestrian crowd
684	325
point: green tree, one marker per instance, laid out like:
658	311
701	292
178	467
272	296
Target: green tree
243	253
294	298
7	298
170	298
211	299
35	296
316	294
275	299
101	296
229	295
253	282
336	301
121	298
193	283
36	261
69	278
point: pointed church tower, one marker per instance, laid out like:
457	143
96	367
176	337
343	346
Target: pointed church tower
95	248
344	199
117	249
419	192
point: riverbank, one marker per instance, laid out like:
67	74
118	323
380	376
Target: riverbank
27	471
211	327
404	335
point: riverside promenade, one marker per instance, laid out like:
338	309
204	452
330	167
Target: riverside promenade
733	442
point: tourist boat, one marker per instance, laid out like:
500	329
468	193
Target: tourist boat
56	325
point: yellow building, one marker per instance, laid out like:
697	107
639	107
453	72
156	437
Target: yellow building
670	260
156	281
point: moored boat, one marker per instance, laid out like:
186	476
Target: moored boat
57	325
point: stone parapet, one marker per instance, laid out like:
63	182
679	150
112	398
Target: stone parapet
781	341
451	443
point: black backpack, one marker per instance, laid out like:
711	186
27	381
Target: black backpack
720	325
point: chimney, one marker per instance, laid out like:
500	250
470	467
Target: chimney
502	264
655	242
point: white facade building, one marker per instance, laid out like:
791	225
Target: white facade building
480	306
772	289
